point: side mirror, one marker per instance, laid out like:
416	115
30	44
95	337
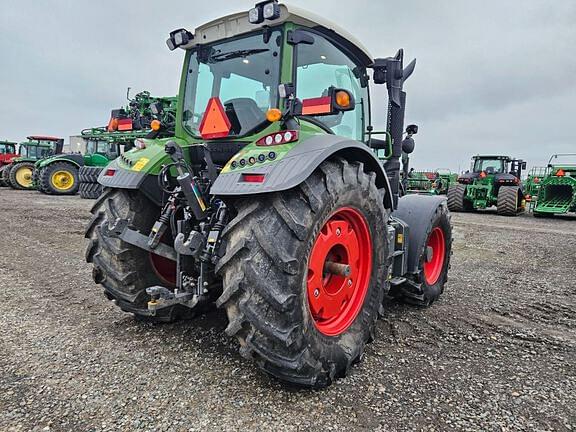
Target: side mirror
337	101
412	129
408	145
523	165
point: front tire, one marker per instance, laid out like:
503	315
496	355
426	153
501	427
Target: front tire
270	274
124	270
4	175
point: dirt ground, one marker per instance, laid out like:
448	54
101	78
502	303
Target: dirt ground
496	353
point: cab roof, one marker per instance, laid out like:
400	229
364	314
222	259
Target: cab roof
492	157
43	138
237	24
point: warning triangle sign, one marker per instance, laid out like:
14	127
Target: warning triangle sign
215	122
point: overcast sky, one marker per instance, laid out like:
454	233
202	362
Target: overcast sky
493	76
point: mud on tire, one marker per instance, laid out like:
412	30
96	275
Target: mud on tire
509	201
124	270
265	272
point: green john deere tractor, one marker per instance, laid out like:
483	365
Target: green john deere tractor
20	173
492	181
435	182
274	198
557	187
66	174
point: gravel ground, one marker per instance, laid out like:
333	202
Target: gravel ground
497	352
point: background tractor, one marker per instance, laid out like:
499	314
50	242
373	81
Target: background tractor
274	198
7	154
491	181
557	187
20	173
430	182
65	174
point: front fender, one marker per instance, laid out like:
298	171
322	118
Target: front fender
298	164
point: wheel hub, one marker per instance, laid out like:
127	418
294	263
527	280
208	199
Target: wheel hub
62	180
339	269
24	176
435	256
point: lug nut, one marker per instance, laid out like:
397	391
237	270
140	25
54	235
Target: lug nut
338	232
349	282
316	292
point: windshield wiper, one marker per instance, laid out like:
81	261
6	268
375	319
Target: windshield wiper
235	54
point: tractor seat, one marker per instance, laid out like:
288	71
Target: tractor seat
490	170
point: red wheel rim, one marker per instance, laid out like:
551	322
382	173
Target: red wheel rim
164	268
433	266
335	300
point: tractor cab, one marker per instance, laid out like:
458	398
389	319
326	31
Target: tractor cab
101	149
7	152
40	147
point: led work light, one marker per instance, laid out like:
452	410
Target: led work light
267	10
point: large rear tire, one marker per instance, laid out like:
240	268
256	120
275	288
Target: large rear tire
510	201
21	175
298	322
124	270
90	190
457	201
59	178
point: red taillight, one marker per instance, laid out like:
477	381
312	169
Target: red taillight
109	173
560	173
278	138
253	178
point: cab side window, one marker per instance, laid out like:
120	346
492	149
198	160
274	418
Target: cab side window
322	65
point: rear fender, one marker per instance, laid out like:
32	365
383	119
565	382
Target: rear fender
417	212
298	164
74	159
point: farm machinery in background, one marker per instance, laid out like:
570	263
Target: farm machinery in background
492	181
20	173
8	153
66	174
430	182
274	198
553	189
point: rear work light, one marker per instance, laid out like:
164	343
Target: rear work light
278	138
252	178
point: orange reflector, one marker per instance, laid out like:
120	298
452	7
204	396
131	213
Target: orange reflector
215	122
536	180
321	105
113	125
560	173
252	178
482	174
273	115
343	99
155	125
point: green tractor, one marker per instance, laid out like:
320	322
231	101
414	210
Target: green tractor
274	198
492	181
434	182
557	188
7	155
20	173
66	174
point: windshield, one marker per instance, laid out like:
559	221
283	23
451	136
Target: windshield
242	73
94	146
7	148
489	166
